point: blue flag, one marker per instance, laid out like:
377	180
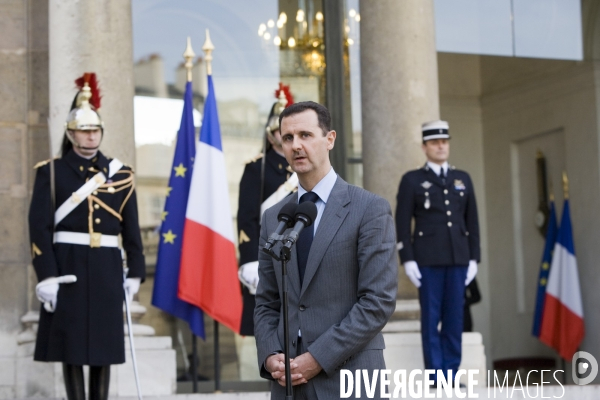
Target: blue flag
166	282
551	235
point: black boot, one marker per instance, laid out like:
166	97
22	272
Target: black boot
99	382
73	376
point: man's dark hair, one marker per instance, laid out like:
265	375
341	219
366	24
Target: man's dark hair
322	113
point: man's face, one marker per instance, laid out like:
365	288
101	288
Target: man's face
437	150
304	145
89	139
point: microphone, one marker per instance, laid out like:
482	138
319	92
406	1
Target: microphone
286	219
305	216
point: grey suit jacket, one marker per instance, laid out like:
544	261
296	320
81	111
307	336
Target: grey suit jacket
348	293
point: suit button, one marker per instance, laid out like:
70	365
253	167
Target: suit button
466	233
449	224
447	202
462	193
293	342
96	206
97	220
448	212
420	233
302	308
445	191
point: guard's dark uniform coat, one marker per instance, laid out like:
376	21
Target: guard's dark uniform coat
87	326
248	217
446	233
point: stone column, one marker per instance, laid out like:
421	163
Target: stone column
93	36
399	85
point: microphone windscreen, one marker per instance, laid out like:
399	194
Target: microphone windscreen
287	213
309	210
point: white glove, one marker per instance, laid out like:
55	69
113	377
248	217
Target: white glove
131	286
471	272
412	271
46	292
248	274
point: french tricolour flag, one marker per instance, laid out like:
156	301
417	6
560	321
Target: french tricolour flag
562	321
208	276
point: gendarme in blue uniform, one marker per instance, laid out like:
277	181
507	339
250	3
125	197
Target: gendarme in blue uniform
444	240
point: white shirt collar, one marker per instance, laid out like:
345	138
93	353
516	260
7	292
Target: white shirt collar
437	167
323	188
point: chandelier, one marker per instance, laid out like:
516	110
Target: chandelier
304	35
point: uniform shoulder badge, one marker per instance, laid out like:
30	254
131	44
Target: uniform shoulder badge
257	157
42	163
426	185
129	166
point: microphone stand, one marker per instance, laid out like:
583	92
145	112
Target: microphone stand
289	393
284	257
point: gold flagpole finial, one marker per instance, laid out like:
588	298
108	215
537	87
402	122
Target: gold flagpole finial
208	48
550	191
188	56
565	185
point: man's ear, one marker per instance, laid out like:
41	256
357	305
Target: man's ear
331	135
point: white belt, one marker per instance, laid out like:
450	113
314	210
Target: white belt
94	240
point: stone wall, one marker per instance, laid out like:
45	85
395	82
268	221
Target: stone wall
23	141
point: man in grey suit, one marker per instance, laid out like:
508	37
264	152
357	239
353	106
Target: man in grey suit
342	285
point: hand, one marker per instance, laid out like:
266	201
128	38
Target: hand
47	292
471	272
275	365
306	365
131	286
412	271
248	275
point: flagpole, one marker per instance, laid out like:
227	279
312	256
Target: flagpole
208	48
188	56
217	360
565	185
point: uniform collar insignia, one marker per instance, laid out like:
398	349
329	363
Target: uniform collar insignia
426	185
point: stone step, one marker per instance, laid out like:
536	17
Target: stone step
406	310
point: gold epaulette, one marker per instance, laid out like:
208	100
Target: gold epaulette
42	163
124	165
130	167
255	158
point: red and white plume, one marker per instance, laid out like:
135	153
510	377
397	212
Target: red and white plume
90	79
286	91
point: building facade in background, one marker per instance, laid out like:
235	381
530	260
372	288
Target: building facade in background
511	77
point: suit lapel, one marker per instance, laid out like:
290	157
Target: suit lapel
334	214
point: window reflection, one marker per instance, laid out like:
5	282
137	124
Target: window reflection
548	29
521	28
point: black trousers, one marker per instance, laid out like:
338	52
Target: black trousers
98	385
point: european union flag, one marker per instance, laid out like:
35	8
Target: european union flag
166	280
551	234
